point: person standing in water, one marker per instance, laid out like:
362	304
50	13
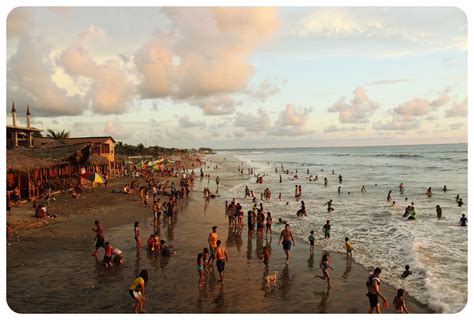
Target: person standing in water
439	212
99	235
389	195
326	230
221	258
212	241
373	287
137	291
463	221
136	231
287	237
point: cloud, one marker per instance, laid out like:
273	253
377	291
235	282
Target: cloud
358	110
397	123
216	105
186	122
458	109
204	53
338	22
115	129
442	99
253	123
292	122
456	126
110	91
91	33
333	128
19	22
413	108
264	90
379	82
417	107
29	81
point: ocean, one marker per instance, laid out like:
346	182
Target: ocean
436	250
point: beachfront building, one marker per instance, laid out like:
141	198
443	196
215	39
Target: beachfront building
18	136
34	171
102	158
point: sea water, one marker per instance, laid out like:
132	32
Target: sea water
436	250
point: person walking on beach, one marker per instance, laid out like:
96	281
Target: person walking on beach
212	241
137	291
287	237
136	231
373	287
221	258
99	236
326	230
311	242
325	266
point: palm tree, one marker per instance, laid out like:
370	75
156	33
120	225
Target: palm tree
59	135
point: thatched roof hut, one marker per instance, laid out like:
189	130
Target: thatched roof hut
26	159
96	160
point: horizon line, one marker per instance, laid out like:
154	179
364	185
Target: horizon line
361	146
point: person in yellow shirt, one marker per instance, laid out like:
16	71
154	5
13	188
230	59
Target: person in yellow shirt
349	247
137	291
212	240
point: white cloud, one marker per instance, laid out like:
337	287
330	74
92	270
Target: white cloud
458	109
264	90
29	81
253	123
110	90
456	126
338	22
396	124
413	108
186	122
358	110
334	128
389	81
206	53
292	122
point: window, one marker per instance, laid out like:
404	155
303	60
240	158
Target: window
105	148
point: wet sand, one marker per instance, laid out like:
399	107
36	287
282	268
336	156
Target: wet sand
50	269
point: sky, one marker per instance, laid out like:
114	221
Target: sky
242	77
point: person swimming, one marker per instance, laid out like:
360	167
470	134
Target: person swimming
407	272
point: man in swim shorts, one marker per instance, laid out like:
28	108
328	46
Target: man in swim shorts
287	237
221	258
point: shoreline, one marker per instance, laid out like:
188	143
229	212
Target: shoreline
62	248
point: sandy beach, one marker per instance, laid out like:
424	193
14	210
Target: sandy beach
50	270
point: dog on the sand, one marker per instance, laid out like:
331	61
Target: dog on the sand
271	280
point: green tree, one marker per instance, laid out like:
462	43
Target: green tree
58	135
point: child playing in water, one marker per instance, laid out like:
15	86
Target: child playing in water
399	302
200	269
118	256
311	242
348	246
108	255
150	245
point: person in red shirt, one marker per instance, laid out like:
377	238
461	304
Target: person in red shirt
108	255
